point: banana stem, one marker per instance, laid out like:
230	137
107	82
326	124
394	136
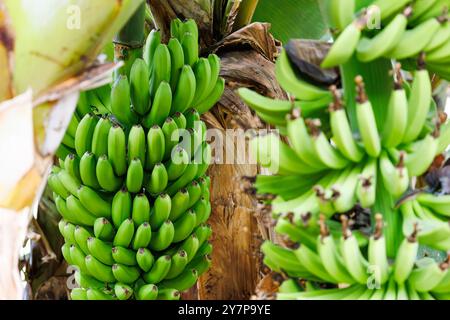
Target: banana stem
129	41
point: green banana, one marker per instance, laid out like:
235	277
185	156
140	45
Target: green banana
72	165
100	250
81	236
93	202
136	144
142	236
83	215
158	179
85	131
121	102
124	234
178	264
100	137
162	238
177	55
140	211
171	137
117	149
123	291
121	207
159	270
88	175
144	259
125	274
103	229
135	176
139	87
161	211
366	121
152	42
162	104
406	256
147	292
185	91
184	226
107	179
124	256
161	68
183	282
155	146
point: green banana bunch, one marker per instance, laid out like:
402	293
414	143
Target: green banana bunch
133	195
338	156
408	29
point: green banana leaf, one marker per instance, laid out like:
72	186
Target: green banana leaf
292	18
55	39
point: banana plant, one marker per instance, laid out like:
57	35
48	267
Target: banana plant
42	72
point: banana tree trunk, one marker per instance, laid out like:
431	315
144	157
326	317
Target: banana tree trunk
238	228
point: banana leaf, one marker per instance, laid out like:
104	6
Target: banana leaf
56	39
292	18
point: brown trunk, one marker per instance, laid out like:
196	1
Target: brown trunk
238	228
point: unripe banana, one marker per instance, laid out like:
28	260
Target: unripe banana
395	178
120	102
61	206
147	292
121	207
125	274
189	42
180	120
124	256
71	183
202	211
203	76
158	179
68	141
107	180
177	55
184	226
117	149
78	258
178	264
57	186
214	96
142	236
72	165
161	211
377	254
139	86
140	212
72	127
159	270
81	236
396	118
103	229
343	48
188	175
100	250
190	246
93	202
65	250
185	91
88	175
418	104
162	103
168	294
85	131
201	264
161	69
86	282
180	203
152	42
144	259
155	146
123	291
171	137
135	176
69	232
62	152
84	216
428	275
422	156
406	256
136	144
366	121
366	187
78	294
195	193
162	238
100	137
124	234
183	282
95	294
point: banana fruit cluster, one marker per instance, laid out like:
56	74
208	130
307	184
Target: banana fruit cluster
408	29
131	184
326	165
336	258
